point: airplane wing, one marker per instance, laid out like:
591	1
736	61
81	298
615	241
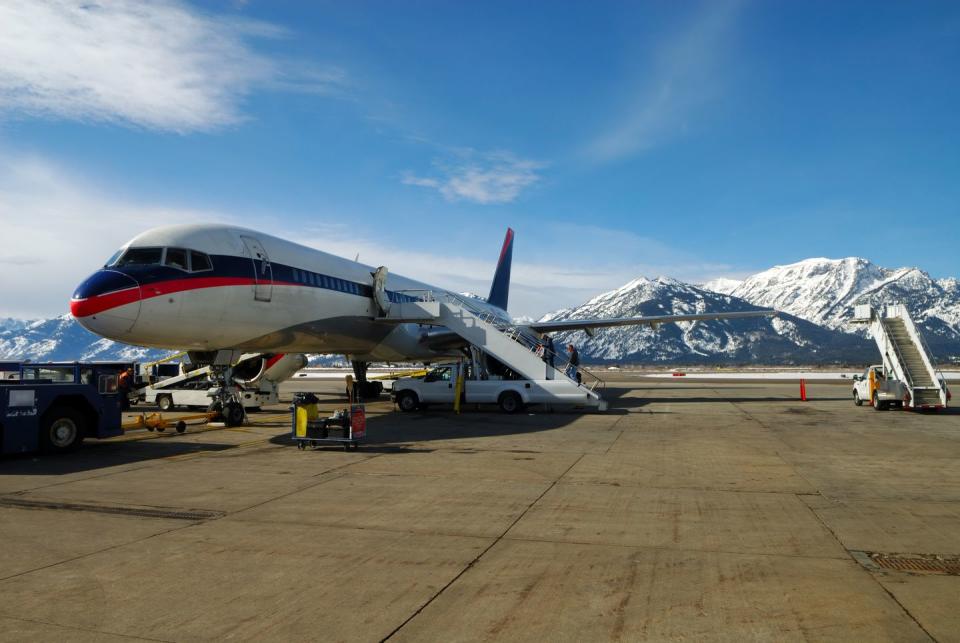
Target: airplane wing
592	324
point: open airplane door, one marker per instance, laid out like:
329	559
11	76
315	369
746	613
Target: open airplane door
262	270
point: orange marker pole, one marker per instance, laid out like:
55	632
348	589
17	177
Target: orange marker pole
803	390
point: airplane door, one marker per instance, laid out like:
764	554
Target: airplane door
262	270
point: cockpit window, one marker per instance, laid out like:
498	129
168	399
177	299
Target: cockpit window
199	261
176	258
140	257
113	258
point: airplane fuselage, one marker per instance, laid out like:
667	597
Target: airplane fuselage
211	287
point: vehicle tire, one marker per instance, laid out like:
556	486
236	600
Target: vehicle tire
510	402
856	399
181	426
61	430
165	402
233	414
408	401
877	404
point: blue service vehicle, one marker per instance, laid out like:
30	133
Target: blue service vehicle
53	406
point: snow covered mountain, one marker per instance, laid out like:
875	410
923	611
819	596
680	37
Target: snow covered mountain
782	340
63	339
824	292
816	297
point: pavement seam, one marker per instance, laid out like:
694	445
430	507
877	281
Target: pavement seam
477	558
864	570
100	551
828	528
337	470
86	629
619	435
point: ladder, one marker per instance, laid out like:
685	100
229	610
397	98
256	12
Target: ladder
514	346
905	353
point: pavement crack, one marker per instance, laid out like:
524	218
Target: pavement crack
477	558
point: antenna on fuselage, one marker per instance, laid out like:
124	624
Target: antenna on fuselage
357	258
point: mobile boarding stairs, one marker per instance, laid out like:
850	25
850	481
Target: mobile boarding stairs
905	354
514	346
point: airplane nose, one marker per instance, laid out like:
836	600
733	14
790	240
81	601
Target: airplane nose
107	303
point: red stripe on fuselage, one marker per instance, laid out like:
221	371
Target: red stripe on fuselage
101	303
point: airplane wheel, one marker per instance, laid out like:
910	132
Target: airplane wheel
233	414
408	402
856	399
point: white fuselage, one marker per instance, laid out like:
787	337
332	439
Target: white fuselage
252	292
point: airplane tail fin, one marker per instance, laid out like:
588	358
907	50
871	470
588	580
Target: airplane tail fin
500	289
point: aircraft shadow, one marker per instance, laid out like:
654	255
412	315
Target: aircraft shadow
99	455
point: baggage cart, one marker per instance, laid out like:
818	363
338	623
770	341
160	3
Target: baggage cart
346	427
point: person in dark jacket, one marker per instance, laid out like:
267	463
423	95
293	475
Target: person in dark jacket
574	363
551	353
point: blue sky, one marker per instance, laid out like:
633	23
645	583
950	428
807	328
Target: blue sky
695	140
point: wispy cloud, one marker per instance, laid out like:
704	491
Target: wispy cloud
61	226
58	228
160	65
687	74
497	177
555	266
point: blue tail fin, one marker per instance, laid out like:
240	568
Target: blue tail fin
500	289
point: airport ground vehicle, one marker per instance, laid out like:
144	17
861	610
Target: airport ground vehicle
908	377
510	393
255	384
200	394
54	406
877	387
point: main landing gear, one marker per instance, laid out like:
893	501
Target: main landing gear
364	389
225	396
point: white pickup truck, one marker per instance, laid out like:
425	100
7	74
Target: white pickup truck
878	388
198	394
511	395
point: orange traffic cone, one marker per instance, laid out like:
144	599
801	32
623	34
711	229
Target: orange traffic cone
803	390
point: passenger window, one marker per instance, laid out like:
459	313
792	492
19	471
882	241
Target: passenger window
141	257
199	261
176	258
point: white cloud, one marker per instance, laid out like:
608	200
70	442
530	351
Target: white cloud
497	177
555	266
687	74
160	64
57	229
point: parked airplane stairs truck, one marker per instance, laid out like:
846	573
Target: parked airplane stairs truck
907	360
540	381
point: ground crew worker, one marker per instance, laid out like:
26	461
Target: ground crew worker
123	388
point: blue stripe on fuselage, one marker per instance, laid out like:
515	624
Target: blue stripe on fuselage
229	266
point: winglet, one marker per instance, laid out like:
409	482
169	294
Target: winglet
500	289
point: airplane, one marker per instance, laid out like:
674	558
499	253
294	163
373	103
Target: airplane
218	290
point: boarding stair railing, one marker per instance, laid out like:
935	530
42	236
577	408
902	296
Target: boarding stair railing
523	336
905	352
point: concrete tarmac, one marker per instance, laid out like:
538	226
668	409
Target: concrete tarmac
689	511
